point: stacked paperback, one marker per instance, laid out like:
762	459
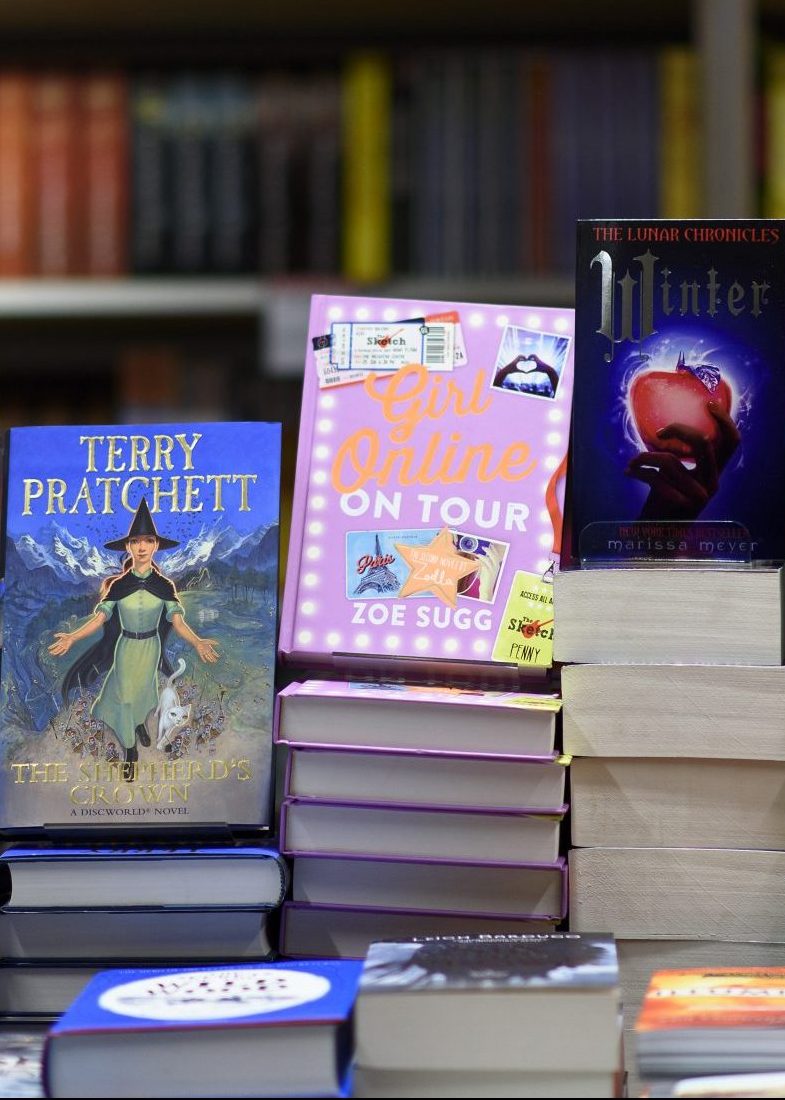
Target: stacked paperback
423	792
499	1015
671	629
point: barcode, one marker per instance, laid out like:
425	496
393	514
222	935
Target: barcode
435	346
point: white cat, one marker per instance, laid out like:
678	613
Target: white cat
170	714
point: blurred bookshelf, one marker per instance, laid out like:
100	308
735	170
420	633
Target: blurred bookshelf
177	179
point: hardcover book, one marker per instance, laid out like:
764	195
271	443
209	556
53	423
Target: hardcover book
141	567
120	877
428	719
457	887
427	516
679	392
274	1030
310	827
346	931
113	936
389	777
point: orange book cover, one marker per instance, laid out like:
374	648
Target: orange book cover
17	224
721	997
58	183
104	109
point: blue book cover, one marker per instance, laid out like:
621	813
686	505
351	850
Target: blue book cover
140	610
275	1029
677	446
316	991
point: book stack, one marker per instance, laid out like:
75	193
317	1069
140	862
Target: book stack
487	1016
275	1030
390	831
423	792
136	701
73	911
671	631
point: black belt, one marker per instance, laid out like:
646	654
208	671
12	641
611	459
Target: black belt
139	635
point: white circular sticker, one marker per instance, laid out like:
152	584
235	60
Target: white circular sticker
214	994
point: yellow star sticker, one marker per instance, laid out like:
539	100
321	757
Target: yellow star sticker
435	568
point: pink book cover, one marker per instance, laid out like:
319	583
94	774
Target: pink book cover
427	515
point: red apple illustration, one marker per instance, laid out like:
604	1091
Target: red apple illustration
659	398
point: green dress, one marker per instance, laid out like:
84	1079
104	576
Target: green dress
130	690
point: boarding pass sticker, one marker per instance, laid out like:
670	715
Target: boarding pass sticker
387	346
328	374
525	635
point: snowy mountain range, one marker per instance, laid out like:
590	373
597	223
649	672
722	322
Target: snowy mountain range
78	563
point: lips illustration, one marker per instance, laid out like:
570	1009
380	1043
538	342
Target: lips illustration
659	398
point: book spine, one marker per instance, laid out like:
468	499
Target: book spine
323	153
105	113
150	177
274	159
17	224
191	111
539	110
680	136
233	186
58	186
367	123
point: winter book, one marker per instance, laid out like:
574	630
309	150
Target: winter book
141	569
679	397
427	515
274	1030
490	1003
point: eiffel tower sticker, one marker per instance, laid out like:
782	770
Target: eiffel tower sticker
378	577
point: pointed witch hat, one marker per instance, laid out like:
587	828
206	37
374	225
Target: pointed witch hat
142	524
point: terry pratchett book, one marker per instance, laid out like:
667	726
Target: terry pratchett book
678	450
139	626
427	515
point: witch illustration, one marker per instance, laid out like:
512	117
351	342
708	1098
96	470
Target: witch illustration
136	610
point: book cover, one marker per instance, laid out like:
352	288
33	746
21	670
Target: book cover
679	393
427	515
279	1029
318	991
503	961
139	625
697	999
